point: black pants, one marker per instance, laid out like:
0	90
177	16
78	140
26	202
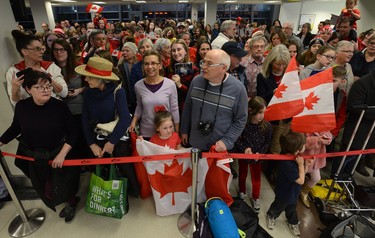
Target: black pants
278	206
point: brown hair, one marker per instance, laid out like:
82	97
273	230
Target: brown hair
256	104
292	142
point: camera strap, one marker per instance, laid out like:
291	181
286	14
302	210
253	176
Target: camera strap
218	101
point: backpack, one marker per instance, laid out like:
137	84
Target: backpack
221	220
246	219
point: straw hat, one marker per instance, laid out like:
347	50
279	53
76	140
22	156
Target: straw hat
97	67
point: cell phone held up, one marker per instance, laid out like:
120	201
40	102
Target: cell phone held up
24	72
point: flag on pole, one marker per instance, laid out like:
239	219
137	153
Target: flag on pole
94	8
287	100
319	111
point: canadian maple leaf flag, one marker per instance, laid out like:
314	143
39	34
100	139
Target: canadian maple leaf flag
287	100
94	8
171	179
319	112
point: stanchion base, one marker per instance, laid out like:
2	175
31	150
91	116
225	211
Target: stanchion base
185	224
18	228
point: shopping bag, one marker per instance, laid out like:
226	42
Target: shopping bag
107	197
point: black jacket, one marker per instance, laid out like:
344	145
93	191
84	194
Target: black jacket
361	93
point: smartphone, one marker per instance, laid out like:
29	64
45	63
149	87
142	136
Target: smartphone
24	72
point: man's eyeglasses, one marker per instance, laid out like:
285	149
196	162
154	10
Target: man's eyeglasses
153	64
39	49
41	88
59	50
328	57
203	63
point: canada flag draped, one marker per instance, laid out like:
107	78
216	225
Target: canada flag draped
171	179
94	8
319	112
287	100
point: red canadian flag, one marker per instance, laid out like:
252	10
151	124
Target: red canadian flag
94	8
319	112
287	100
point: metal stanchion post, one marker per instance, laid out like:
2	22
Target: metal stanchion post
186	221
26	222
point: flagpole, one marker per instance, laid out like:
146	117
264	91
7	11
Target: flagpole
186	221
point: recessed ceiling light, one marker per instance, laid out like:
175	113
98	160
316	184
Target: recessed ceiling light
183	1
99	2
142	1
64	1
230	1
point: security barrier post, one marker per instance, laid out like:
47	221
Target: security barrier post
27	221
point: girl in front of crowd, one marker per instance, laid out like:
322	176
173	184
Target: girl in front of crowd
164	125
181	71
324	56
309	56
255	139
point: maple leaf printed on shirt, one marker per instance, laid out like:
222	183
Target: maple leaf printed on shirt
310	100
173	180
279	91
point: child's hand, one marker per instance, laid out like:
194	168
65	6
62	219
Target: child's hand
309	162
140	137
299	160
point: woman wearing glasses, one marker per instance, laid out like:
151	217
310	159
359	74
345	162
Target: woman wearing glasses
31	50
46	133
151	91
63	56
324	56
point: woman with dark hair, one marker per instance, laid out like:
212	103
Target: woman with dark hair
276	23
363	39
46	133
151	91
48	40
309	56
63	56
277	37
305	34
208	32
202	48
31	50
333	40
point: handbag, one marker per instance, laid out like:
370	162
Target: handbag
110	126
107	197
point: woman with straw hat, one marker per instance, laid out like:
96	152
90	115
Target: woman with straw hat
104	102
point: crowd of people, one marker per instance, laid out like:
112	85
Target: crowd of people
183	84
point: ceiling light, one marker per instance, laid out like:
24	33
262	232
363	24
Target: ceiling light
64	1
230	1
182	1
99	2
141	1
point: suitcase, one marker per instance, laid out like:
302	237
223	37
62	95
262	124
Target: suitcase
321	189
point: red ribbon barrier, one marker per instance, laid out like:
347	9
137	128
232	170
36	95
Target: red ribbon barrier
137	159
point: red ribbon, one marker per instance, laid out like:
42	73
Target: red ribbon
90	69
218	155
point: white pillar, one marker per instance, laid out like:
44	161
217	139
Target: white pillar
210	12
42	12
194	12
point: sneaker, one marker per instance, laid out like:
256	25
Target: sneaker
243	196
271	222
69	212
294	229
256	205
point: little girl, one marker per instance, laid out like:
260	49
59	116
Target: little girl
324	56
255	138
350	12
164	125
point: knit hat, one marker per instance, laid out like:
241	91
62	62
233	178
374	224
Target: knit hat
131	46
326	29
97	67
316	40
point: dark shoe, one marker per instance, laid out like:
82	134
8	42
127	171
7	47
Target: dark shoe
69	212
370	161
1	205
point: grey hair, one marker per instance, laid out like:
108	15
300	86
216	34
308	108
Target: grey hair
342	44
226	24
224	58
161	43
144	40
258	38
